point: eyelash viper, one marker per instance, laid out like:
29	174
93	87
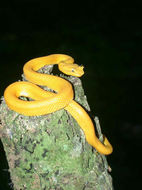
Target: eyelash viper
47	102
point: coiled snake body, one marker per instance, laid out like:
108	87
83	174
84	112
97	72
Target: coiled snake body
47	102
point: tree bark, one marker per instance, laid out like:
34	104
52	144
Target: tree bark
50	151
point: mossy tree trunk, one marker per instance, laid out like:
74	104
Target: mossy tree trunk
50	151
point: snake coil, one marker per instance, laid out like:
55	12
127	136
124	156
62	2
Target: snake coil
47	102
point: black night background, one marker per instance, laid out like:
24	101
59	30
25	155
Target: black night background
105	37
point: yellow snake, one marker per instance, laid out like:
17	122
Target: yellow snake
47	102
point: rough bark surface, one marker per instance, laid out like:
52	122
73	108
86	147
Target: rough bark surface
50	151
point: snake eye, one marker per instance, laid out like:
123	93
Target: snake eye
73	70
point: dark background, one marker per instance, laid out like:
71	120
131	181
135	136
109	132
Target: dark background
103	36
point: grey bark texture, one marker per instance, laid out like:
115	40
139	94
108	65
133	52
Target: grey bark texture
50	151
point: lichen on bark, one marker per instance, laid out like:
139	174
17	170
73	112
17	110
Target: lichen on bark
50	151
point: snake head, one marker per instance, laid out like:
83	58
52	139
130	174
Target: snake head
71	69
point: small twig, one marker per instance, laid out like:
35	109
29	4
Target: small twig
98	127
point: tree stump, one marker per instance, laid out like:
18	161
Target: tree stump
50	151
